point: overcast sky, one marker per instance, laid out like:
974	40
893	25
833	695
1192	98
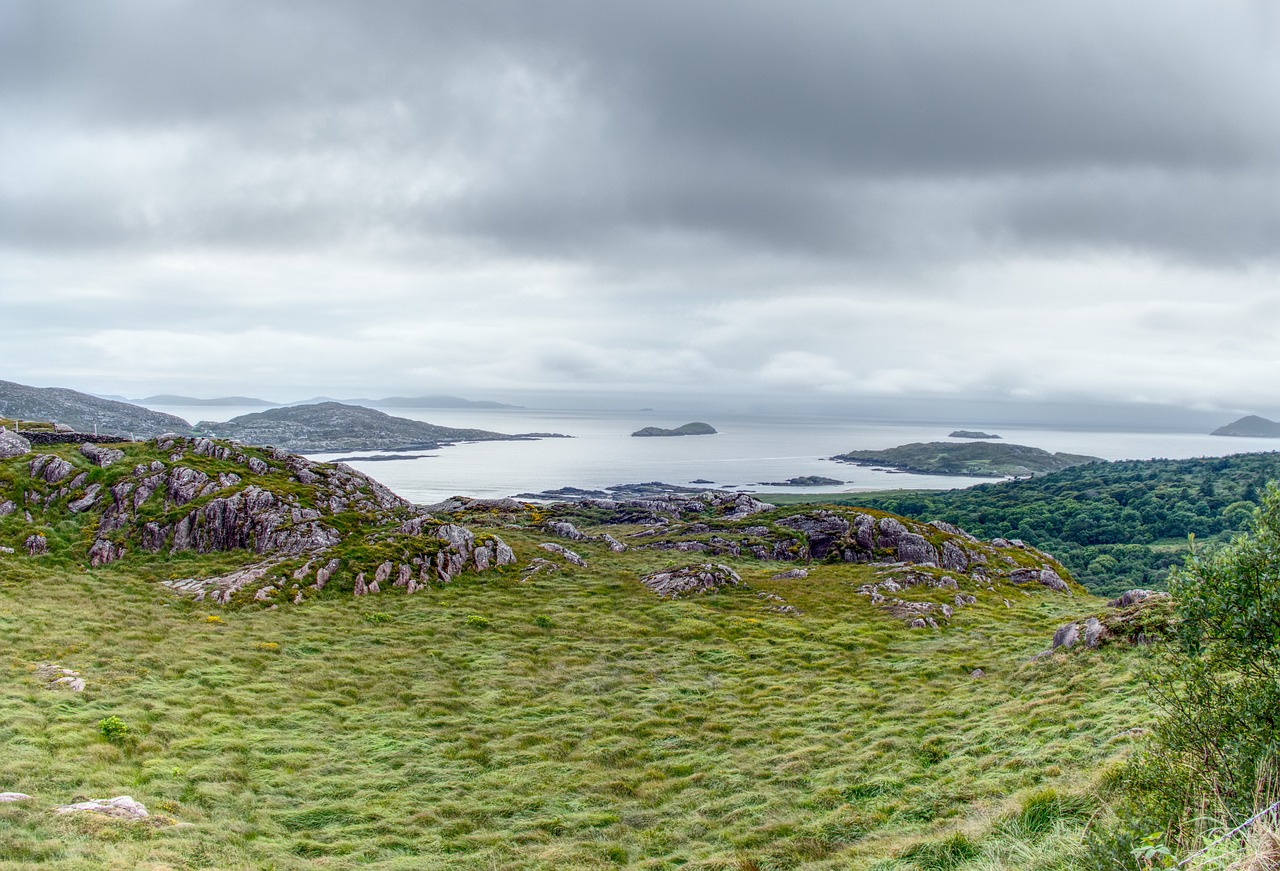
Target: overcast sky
1074	201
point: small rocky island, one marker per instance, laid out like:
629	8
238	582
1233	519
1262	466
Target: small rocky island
976	459
1250	426
695	428
972	434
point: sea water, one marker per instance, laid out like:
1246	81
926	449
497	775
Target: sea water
747	452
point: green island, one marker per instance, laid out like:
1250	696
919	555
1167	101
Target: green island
689	429
266	661
975	459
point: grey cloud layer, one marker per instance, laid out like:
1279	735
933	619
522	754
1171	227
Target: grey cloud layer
615	173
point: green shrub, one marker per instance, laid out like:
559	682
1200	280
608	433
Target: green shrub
114	729
1216	743
476	621
542	621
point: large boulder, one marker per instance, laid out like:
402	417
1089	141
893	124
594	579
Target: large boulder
12	444
1066	637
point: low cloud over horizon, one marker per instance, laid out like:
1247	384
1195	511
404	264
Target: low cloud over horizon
990	201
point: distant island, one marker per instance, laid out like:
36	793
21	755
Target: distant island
433	402
803	481
972	434
332	426
978	459
696	428
1250	426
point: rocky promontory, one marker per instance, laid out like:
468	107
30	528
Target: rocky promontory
977	459
972	434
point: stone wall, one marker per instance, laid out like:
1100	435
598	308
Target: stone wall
44	437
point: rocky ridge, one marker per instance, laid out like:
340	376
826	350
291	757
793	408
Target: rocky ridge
936	559
307	524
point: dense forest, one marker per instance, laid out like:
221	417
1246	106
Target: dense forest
1114	525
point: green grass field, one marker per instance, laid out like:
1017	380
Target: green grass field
570	721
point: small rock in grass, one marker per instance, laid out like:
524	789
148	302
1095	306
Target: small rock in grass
562	551
122	807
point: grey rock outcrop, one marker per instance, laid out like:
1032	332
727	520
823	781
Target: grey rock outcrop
691	579
87	501
36	544
909	546
100	456
564	529
1130	597
1044	575
50	468
7	797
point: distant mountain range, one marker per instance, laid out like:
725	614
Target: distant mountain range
83	412
235	401
1250	426
178	401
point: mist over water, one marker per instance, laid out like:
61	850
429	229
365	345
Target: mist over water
747	450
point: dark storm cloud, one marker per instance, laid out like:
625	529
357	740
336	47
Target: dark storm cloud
628	190
747	119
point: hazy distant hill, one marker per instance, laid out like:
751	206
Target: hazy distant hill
84	412
334	426
979	459
1250	426
233	401
435	402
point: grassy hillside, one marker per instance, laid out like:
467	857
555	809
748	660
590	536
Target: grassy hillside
564	719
